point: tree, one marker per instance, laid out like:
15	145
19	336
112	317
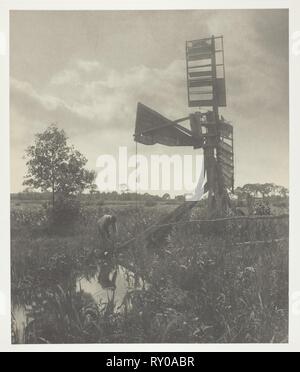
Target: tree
93	190
252	188
53	165
284	192
267	189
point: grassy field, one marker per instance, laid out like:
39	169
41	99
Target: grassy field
224	282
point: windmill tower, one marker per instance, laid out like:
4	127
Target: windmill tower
209	131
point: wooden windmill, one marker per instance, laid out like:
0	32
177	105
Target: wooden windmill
208	130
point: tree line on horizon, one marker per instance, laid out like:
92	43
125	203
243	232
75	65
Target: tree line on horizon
57	170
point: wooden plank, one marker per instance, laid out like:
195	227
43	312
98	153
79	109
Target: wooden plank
226	136
200	83
234	218
199	57
226	127
228	181
221	92
225	156
199	50
226	162
227	165
200	66
224	132
200	41
226	147
226	143
200	93
229	171
200	103
200	74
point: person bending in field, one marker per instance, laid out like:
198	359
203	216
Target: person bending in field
106	226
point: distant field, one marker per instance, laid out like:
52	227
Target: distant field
21	203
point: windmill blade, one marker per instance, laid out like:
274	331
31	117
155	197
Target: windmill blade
204	72
226	147
226	157
226	131
152	128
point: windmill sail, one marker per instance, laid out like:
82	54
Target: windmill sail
205	77
152	128
226	154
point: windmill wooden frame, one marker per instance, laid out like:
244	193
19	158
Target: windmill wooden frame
209	131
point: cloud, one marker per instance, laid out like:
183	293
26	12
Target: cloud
106	102
24	91
88	66
96	106
64	77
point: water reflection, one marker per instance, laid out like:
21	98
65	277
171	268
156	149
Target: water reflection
106	282
109	284
19	323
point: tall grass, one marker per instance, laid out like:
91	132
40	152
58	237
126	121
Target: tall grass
202	285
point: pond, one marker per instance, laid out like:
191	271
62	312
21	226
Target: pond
19	321
106	284
109	284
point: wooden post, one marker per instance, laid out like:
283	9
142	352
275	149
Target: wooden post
218	199
211	141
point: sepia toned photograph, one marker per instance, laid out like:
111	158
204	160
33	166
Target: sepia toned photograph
149	176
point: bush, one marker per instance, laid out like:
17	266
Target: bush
64	214
262	209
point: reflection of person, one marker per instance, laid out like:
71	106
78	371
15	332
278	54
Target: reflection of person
104	277
105	223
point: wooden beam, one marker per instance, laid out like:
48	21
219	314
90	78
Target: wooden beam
200	73
225	146
172	124
228	180
199	57
200	83
223	151
226	162
206	49
200	103
200	66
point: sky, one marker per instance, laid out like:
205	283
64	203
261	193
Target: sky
86	71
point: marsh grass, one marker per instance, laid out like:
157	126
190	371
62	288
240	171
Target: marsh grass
202	286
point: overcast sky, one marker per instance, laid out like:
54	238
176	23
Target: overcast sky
86	71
